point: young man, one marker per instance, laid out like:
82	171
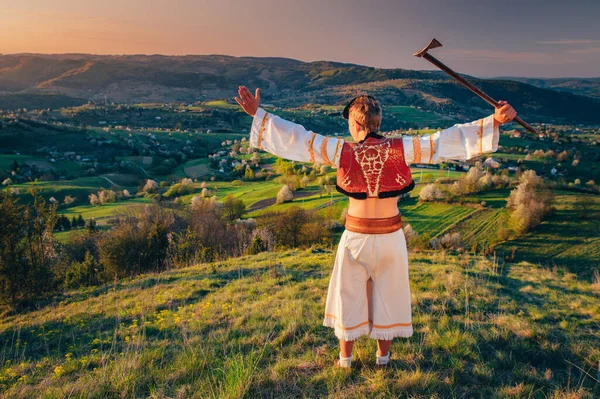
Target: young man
369	292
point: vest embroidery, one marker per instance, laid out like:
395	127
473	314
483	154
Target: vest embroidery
371	159
373	168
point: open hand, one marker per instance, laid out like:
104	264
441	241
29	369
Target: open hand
247	101
504	113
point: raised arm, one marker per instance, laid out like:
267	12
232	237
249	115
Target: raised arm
459	142
286	139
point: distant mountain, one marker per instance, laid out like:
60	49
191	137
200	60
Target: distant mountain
582	86
52	80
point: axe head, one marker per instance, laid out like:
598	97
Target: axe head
432	44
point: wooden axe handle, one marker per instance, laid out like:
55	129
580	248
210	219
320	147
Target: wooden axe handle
473	88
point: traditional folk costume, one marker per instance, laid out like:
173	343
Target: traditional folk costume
369	291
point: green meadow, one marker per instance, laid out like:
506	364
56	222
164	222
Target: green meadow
252	327
415	115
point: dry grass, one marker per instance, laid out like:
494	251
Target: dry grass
251	327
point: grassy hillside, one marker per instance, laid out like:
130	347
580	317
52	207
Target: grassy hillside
569	238
584	86
251	327
285	82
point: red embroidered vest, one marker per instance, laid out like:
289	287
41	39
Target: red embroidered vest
373	168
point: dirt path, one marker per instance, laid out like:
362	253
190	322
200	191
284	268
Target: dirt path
110	181
271	201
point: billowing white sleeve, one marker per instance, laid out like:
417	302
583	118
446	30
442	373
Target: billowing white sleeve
292	141
459	142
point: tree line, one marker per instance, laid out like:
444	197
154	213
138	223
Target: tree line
34	266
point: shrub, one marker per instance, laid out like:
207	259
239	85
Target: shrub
151	186
86	273
419	242
432	192
249	174
137	243
530	202
233	208
451	241
292	181
285	194
27	248
94	200
296	227
409	232
304	181
504	234
107	196
262	240
179	189
68	200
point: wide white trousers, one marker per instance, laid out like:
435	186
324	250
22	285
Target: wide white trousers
369	290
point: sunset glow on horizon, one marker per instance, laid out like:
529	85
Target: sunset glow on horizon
512	39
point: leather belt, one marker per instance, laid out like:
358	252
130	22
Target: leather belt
373	225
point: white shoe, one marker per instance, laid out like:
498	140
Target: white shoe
343	362
383	361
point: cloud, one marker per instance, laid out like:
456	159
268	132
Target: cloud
573	42
521	57
584	51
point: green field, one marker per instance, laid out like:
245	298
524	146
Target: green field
417	116
432	218
61	167
103	211
564	239
79	188
252	327
221	104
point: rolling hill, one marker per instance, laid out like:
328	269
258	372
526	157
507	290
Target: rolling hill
582	86
252	327
79	78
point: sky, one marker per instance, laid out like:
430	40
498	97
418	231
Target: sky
481	38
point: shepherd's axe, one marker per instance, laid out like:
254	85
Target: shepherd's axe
424	53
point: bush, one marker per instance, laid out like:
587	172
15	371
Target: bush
296	227
94	200
292	181
137	243
86	273
68	200
433	192
179	189
262	240
27	248
451	241
107	196
233	208
150	187
530	202
419	242
285	194
504	234
409	232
